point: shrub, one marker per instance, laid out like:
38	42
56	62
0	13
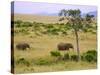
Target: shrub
55	53
66	56
64	33
85	30
74	57
23	61
27	24
93	52
18	23
24	31
42	62
90	56
52	31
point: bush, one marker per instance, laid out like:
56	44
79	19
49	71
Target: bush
85	30
22	61
90	56
18	23
66	56
41	62
27	24
24	31
74	57
64	33
55	53
93	52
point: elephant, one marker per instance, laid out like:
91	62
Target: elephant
22	46
64	46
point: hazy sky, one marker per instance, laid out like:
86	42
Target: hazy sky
36	7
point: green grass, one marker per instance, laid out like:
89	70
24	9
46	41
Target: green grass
60	66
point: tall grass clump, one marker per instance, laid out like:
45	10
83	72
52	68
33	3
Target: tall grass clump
74	57
41	61
55	53
22	61
66	56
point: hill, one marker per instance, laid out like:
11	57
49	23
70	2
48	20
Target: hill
36	18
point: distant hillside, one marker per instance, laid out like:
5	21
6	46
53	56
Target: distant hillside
37	18
47	14
44	17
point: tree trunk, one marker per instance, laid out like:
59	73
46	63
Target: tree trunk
77	45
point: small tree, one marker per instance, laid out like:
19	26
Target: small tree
76	22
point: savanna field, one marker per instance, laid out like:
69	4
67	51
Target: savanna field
43	34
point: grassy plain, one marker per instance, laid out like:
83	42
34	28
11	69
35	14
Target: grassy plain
41	46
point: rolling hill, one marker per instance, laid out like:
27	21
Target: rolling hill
36	18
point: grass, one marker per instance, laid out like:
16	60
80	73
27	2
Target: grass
61	66
51	65
41	46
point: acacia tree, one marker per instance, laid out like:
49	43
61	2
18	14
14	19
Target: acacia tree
76	22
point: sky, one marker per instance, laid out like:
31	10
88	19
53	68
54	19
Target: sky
41	7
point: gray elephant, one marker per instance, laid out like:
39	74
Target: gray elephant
22	46
64	46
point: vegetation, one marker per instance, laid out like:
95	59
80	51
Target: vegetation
74	57
46	29
66	56
22	61
90	55
55	53
42	61
77	23
43	39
